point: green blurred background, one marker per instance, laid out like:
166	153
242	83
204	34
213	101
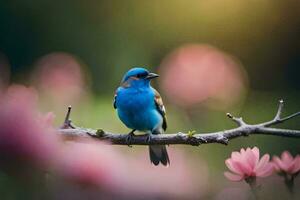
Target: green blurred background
109	37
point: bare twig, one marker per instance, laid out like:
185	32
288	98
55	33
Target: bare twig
68	122
70	131
279	111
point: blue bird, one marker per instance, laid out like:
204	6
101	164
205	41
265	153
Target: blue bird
140	107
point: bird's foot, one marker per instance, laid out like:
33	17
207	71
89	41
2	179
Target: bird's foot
148	138
129	137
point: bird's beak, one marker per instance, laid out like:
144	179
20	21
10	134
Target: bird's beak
152	76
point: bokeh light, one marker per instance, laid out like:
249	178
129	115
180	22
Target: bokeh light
195	73
27	137
60	78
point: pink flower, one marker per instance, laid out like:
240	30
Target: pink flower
90	163
100	165
26	136
287	163
203	74
191	181
246	164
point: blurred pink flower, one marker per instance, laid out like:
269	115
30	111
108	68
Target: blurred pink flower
25	135
194	74
287	163
28	140
90	164
59	77
246	164
101	165
190	178
48	118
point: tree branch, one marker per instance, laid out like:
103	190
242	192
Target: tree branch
69	131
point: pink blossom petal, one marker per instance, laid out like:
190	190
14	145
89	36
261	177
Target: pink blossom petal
255	151
233	177
281	165
275	165
296	166
235	155
233	167
286	157
244	167
250	158
243	151
267	170
291	166
262	163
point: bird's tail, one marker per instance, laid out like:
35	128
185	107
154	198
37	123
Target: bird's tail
158	154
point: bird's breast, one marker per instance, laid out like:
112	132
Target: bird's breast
135	99
137	109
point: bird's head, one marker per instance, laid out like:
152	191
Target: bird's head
137	77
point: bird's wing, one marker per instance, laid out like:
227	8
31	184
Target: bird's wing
115	100
161	108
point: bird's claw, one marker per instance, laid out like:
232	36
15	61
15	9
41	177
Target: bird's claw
129	138
148	138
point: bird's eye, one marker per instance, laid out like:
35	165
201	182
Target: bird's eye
142	75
